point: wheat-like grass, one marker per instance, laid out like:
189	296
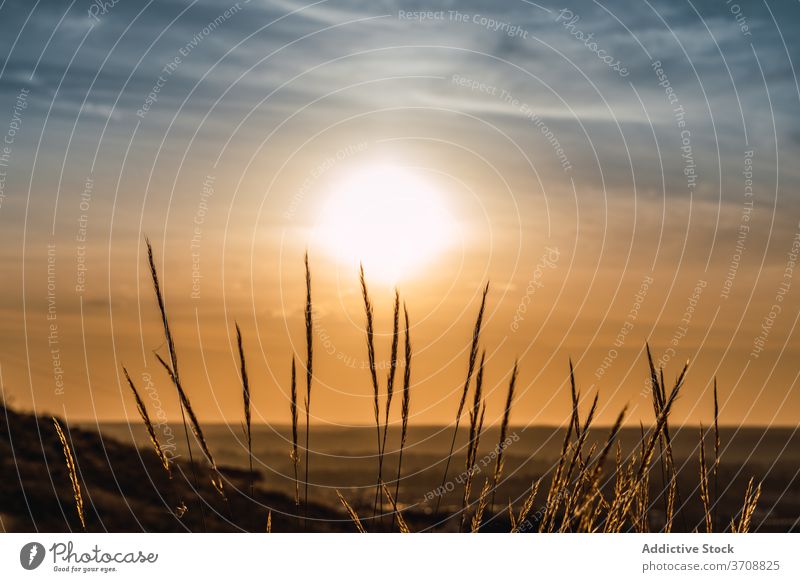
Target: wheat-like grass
352	513
309	371
294	455
669	476
73	473
401	522
527	505
248	433
370	336
473	355
705	496
390	376
575	462
406	406
148	425
501	444
187	405
593	473
476	415
575	500
715	468
483	502
172	368
749	505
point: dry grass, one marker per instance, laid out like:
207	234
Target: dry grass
390	380
705	496
248	433
476	415
473	355
294	455
352	513
406	406
370	334
751	496
151	432
401	523
582	495
309	370
501	444
69	459
172	368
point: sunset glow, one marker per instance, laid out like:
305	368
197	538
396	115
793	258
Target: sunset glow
388	218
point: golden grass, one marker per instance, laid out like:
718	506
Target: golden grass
476	415
406	406
248	433
294	455
69	459
501	444
352	513
148	425
401	523
473	355
309	372
370	334
577	499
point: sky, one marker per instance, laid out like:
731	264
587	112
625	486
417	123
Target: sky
620	173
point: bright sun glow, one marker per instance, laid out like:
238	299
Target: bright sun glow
388	218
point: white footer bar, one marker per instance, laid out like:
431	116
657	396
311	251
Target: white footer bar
398	557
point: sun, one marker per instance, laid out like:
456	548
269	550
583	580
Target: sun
388	218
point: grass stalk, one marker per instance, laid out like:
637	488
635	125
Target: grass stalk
370	333
294	455
69	459
309	371
406	407
172	370
501	444
473	356
248	433
476	415
352	513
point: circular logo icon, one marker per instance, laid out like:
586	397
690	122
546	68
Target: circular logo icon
31	555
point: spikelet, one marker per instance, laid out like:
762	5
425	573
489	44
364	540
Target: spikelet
73	473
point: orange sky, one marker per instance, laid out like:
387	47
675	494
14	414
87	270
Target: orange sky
577	192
